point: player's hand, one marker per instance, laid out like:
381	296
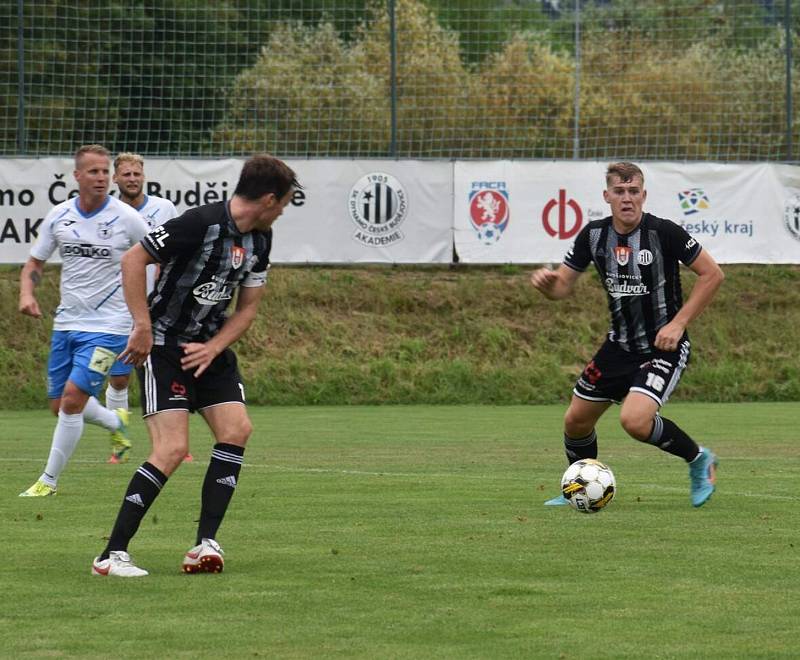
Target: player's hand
140	342
669	336
544	279
198	356
30	307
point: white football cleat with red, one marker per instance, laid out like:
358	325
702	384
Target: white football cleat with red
118	564
204	558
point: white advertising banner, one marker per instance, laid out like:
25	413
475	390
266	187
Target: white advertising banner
530	212
349	211
361	211
388	211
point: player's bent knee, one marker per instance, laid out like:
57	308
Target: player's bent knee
171	457
636	426
577	427
239	434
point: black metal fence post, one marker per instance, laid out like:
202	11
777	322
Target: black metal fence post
21	147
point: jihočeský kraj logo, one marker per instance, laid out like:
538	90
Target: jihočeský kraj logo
693	200
378	205
489	211
791	215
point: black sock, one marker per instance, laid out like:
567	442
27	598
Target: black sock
578	448
143	489
668	436
218	486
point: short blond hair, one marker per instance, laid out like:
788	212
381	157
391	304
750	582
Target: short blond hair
625	171
98	149
128	157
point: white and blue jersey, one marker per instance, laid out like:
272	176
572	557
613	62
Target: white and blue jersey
155	211
91	246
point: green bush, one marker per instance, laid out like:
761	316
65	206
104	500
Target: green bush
651	84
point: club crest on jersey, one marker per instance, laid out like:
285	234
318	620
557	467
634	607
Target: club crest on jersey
623	254
104	229
237	256
489	210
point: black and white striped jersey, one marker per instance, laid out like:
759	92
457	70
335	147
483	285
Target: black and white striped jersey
203	258
640	273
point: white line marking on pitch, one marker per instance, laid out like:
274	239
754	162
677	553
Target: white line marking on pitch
416	475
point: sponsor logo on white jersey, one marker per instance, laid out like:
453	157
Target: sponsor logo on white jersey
87	250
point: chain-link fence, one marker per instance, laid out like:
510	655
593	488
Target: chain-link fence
640	79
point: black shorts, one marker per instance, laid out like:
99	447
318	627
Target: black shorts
166	386
613	373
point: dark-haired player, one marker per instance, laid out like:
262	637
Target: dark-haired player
181	344
637	256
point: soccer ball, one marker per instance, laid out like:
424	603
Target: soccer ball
588	485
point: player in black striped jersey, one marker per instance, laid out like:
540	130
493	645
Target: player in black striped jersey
637	256
181	345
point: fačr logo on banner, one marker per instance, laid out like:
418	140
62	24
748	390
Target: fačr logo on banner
378	205
488	210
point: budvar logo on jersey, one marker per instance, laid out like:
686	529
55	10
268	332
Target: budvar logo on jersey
623	289
378	205
694	203
562	218
489	211
791	215
211	293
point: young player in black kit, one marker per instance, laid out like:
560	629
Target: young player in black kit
636	255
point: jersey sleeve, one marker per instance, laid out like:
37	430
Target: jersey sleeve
174	237
579	256
680	243
257	276
46	241
135	227
169	211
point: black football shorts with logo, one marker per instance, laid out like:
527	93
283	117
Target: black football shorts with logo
613	372
166	386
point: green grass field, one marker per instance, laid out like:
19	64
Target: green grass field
415	532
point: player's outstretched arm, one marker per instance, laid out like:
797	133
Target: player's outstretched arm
29	279
555	284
